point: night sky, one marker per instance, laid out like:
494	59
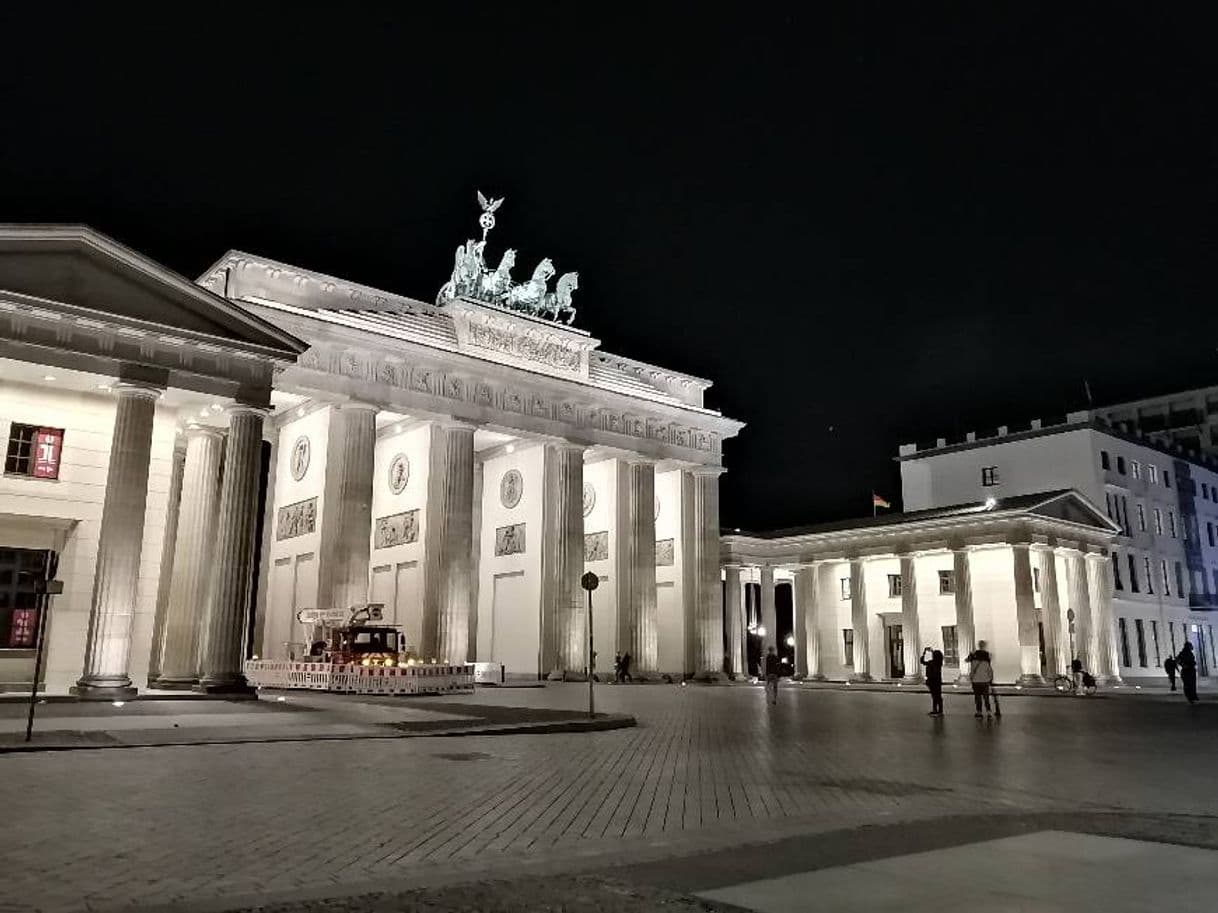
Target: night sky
868	228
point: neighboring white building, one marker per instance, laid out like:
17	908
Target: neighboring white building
870	594
1164	561
461	463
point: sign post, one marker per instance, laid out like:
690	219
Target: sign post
590	582
45	587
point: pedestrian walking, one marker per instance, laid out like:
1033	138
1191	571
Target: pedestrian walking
1169	666
981	674
932	661
773	668
1187	662
626	676
1076	672
617	667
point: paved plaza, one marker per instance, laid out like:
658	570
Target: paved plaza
715	801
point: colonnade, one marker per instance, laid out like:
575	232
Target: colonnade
205	606
1082	624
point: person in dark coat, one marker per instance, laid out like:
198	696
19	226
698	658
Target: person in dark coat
626	676
932	661
1187	661
617	667
773	669
1169	666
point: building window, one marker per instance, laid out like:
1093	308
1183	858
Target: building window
1035	580
1209	532
951	646
1166	581
845	581
1216	581
1171	629
947	582
848	646
1205	492
1116	572
33	451
1150	583
1125	508
1152	473
1139	634
1158	522
1166	479
894	585
1180	580
1154	640
1133	574
19	605
1104	461
1121	464
1141	518
1171	522
989	475
1124	634
1135	469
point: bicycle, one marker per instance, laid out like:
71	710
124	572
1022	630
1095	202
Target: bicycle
1066	685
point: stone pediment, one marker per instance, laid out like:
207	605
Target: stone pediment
77	266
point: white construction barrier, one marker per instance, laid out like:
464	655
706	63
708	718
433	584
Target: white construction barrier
427	678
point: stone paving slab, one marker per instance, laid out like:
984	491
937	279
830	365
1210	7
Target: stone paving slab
707	768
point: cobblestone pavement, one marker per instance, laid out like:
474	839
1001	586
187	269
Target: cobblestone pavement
211	827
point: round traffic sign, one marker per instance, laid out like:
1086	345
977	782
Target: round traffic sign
589	581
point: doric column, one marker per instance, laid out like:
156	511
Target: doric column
708	633
807	622
1025	617
769	612
911	621
637	617
116	578
475	556
186	608
1051	612
220	665
1099	581
1080	604
346	518
564	618
966	631
734	618
449	525
168	552
858	621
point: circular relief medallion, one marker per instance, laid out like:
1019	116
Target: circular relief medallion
589	498
657	516
511	487
399	473
300	458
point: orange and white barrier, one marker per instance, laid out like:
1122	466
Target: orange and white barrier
430	678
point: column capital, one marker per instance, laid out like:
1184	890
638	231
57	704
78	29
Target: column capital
139	388
706	471
234	409
196	429
354	405
453	424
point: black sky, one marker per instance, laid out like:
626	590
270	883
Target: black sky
876	226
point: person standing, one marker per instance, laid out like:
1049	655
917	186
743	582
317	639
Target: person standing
981	674
1076	672
773	668
1187	662
626	676
1169	666
617	667
934	679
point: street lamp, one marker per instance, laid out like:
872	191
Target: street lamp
790	640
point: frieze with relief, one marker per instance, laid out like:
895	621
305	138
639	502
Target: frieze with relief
397	529
664	553
297	519
509	540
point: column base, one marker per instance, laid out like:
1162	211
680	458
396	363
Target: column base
914	679
710	678
816	677
963	679
1110	681
172	684
102	690
861	677
236	687
1031	680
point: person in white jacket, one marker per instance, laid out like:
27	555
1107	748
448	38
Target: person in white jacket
981	674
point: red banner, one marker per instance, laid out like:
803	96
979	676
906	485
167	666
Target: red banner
48	443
